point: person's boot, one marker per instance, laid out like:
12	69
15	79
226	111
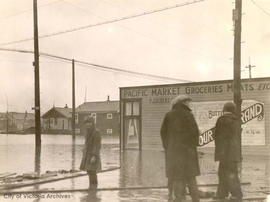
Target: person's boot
178	189
93	181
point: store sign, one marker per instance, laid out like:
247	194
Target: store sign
252	119
164	94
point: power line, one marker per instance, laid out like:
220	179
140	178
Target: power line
132	30
106	22
102	67
28	10
261	8
119	25
119	70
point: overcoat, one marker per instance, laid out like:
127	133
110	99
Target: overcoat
91	148
227	140
179	134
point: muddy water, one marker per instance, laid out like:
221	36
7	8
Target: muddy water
17	153
143	169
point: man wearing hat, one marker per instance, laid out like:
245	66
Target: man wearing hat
180	134
91	153
228	153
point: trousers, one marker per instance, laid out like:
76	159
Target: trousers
228	180
92	177
179	189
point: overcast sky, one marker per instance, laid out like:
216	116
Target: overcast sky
193	42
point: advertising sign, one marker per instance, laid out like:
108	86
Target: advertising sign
252	119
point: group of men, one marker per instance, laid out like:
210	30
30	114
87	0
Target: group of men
180	135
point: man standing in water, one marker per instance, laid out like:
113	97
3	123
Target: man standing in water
228	153
91	161
180	134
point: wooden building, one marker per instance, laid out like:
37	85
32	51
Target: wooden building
57	120
143	108
16	122
105	113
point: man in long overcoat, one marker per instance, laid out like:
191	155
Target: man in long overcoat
179	134
228	153
91	161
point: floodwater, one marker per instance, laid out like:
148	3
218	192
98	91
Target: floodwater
141	169
57	152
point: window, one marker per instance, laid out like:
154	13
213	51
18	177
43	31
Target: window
128	108
109	116
136	108
109	131
132	108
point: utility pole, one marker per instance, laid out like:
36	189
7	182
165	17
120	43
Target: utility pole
237	18
249	68
73	98
7	122
37	91
7	115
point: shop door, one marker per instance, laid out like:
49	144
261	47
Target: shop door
132	124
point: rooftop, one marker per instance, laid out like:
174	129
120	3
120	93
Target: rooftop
103	106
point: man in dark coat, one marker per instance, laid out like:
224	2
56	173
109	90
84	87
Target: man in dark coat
91	153
228	153
179	134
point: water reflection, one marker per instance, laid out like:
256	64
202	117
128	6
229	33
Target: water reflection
144	169
131	168
37	160
73	159
91	196
37	168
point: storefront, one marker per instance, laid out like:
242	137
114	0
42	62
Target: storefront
143	108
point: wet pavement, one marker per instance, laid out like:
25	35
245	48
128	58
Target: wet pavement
138	169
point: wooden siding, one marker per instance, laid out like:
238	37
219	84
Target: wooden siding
102	123
153	113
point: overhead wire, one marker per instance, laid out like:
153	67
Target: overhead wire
261	8
28	10
102	67
106	22
119	25
132	30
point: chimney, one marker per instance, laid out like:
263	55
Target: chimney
108	98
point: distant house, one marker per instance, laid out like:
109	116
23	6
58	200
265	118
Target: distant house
57	120
16	122
3	122
105	113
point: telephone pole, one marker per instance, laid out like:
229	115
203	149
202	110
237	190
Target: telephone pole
73	98
249	67
37	90
237	18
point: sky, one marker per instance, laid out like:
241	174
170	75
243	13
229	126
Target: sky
192	42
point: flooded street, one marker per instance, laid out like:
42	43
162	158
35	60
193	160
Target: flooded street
57	152
138	169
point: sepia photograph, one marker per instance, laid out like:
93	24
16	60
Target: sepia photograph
134	100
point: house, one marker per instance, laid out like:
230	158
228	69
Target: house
57	120
105	113
16	122
3	122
